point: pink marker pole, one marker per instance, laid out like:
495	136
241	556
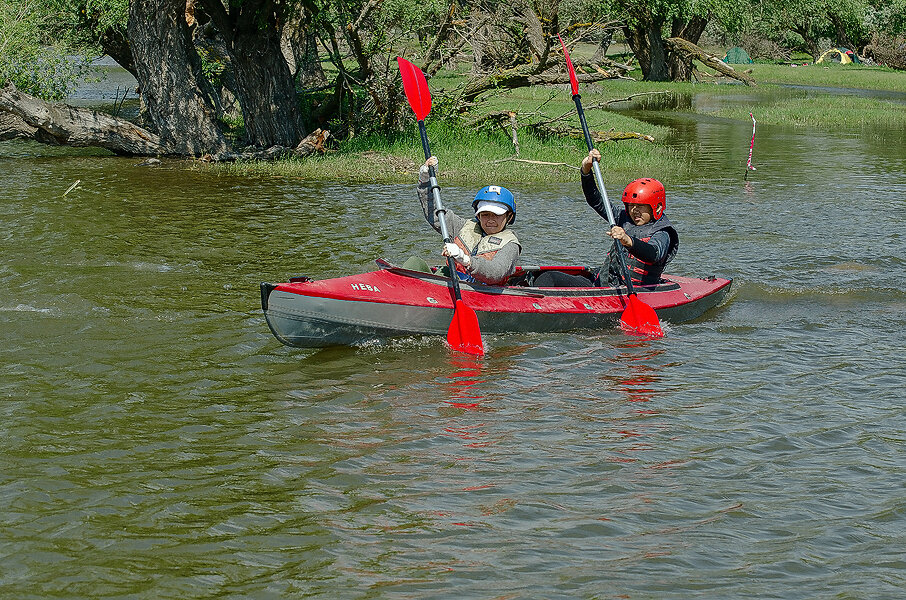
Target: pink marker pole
749	166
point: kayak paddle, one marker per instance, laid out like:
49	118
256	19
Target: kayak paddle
464	334
638	318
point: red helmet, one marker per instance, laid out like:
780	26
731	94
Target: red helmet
647	191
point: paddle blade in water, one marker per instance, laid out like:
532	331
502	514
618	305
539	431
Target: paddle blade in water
416	88
640	319
464	334
569	65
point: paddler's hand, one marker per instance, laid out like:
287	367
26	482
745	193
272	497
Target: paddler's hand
618	233
457	254
593	155
424	173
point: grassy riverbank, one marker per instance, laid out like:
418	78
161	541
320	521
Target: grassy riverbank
784	95
471	156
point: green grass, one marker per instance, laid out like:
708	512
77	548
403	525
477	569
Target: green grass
468	157
825	110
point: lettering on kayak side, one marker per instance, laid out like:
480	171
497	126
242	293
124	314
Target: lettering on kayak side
365	286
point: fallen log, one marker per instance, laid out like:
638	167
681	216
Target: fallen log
505	119
25	117
693	52
526	75
596	136
71	126
14	128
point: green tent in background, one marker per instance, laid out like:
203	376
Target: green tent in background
737	56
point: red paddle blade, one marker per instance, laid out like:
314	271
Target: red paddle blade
416	87
569	65
640	319
464	334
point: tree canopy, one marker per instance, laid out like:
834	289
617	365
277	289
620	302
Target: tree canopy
217	76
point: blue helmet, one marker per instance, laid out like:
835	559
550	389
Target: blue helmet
496	195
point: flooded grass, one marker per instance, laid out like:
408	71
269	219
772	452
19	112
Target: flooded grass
831	75
839	112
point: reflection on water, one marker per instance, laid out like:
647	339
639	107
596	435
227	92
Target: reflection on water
159	442
463	380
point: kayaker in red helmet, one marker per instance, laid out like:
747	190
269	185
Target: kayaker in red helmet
648	239
483	247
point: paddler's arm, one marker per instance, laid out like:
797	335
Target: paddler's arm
498	269
426	198
653	251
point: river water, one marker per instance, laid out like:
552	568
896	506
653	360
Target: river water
158	442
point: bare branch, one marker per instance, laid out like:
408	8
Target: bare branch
355	39
442	35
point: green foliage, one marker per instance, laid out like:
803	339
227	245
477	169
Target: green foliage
584	11
412	15
47	73
36	62
887	16
806	24
100	15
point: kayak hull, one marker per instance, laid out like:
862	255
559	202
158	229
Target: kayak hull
395	302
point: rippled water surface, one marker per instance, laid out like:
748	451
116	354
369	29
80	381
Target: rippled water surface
158	442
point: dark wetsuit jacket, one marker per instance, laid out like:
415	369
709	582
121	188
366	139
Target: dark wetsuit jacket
654	244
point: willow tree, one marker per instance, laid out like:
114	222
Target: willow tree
156	41
193	58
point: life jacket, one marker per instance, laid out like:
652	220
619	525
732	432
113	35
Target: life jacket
641	272
475	242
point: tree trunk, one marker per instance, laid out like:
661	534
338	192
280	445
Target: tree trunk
302	44
265	86
178	99
116	46
210	44
601	51
810	43
648	46
680	66
842	38
267	93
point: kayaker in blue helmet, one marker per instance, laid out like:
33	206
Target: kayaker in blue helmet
647	238
484	248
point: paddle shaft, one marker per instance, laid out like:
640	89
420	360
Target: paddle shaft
440	213
600	181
